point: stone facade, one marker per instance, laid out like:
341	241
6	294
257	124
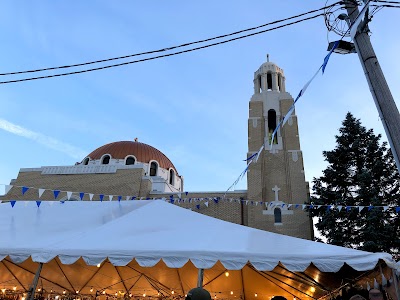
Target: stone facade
276	178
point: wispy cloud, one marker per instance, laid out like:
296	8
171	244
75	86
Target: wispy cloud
43	139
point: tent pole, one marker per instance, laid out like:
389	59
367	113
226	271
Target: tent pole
35	282
396	285
200	278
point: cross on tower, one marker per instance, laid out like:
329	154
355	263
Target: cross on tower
276	190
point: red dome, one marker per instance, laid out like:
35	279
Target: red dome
143	153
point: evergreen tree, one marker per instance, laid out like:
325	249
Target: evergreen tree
361	172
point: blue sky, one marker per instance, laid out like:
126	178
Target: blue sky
193	107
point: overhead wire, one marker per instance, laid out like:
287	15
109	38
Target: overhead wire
169	48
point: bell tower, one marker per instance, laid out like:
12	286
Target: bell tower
277	178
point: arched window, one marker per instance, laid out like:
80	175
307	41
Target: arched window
278	215
130	160
259	83
86	161
106	160
272	126
153	168
171	177
269	81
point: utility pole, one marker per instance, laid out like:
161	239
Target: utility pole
378	86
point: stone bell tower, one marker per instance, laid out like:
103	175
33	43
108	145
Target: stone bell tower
277	178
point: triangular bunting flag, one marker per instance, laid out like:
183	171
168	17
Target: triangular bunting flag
348	208
13	203
384	280
8	188
56	194
38	203
41	191
360	208
81	195
328	208
69	194
101	196
397	209
216	200
198	206
319	206
289	205
247	202
186	193
206	203
368	286
304	206
110	197
24	189
376	284
385	208
339	207
91	197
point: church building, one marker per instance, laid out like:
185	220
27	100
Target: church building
125	170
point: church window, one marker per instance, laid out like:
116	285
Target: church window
259	83
106	160
269	81
171	176
130	160
272	126
86	161
153	168
278	215
279	82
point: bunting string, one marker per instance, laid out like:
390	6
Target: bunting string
200	202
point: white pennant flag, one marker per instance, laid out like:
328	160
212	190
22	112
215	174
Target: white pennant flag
357	21
230	199
91	197
368	286
206	203
110	197
127	198
41	191
376	284
384	280
69	194
247	202
256	203
8	188
339	207
304	206
289	205
385	208
319	206
360	208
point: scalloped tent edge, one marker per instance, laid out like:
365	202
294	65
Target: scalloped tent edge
148	234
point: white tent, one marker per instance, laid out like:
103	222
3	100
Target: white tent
153	247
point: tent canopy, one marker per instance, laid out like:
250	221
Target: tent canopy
156	246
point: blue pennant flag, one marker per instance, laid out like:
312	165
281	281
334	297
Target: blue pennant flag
81	195
133	198
13	203
397	209
370	207
101	196
297	206
38	203
328	207
24	189
172	200
198	206
348	208
216	200
186	193
56	192
119	198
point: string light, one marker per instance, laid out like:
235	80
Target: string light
64	292
91	289
130	295
226	273
98	265
144	295
231	292
104	292
255	295
77	292
38	289
172	292
3	290
312	289
14	288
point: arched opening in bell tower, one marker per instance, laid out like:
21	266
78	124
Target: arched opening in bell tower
277	215
272	126
259	82
280	82
269	81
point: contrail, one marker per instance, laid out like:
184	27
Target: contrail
42	139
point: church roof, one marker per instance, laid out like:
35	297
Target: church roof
144	153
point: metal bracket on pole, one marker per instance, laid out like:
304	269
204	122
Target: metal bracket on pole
32	290
200	278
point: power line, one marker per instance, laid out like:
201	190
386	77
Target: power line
169	48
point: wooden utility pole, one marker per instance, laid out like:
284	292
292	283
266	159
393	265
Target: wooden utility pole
378	86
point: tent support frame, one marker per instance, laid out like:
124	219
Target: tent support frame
35	282
396	285
200	278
